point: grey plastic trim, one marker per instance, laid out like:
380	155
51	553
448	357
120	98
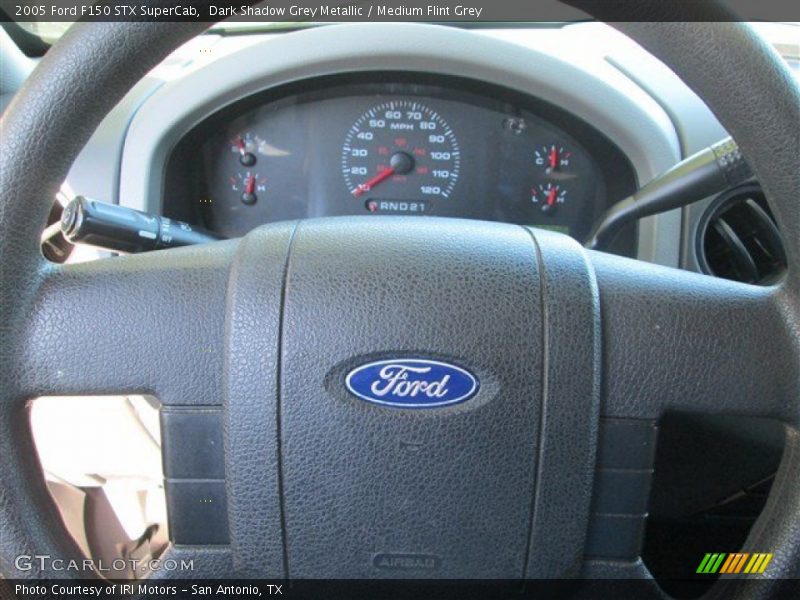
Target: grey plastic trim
15	68
96	171
605	98
696	125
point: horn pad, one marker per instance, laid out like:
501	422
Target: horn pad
421	312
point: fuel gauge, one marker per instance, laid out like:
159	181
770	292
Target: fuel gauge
245	146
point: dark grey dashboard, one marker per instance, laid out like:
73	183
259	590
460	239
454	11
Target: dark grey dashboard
397	144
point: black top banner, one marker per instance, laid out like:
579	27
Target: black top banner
464	11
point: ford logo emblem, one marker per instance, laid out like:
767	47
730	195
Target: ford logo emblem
411	383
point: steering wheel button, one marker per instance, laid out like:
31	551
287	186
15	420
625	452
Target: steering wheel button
626	444
192	443
197	512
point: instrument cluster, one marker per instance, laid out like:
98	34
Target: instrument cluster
403	145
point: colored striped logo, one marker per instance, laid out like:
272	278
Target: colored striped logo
737	562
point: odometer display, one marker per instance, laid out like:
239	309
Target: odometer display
401	150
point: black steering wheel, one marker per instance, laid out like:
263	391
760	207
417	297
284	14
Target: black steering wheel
265	330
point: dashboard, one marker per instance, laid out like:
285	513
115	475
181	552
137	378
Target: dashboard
394	144
173	144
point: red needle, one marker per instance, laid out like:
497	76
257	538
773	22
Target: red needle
240	143
551	196
368	185
250	184
553	158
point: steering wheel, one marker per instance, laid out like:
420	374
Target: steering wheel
264	331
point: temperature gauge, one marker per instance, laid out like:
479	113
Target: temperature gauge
248	186
548	197
552	158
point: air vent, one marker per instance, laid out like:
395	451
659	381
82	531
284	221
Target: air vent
738	238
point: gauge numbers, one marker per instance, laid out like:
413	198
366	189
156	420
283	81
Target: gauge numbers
401	150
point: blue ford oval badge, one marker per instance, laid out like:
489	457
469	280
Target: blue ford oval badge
411	383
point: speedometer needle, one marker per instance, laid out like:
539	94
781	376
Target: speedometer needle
371	183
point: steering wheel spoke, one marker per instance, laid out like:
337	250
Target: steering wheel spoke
679	341
149	324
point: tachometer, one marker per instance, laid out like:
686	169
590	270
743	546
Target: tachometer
400	150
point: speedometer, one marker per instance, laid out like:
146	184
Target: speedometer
400	150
